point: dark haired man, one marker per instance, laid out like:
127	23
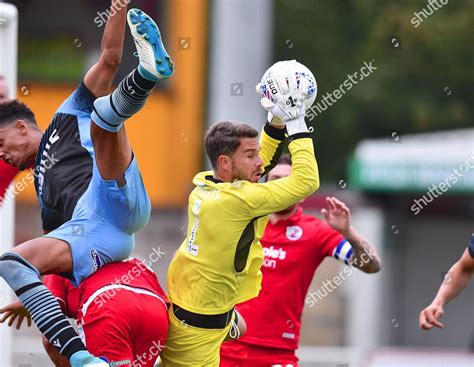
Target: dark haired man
92	195
294	245
218	264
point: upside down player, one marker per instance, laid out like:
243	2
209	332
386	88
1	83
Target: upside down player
460	275
218	264
121	312
294	245
94	192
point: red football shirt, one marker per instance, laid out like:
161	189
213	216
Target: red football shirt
7	173
130	273
293	250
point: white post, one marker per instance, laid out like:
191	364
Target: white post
364	291
8	68
241	46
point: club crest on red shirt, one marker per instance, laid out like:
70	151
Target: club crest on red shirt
294	233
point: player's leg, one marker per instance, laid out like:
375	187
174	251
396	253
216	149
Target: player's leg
238	354
21	268
106	329
112	150
150	329
188	345
234	354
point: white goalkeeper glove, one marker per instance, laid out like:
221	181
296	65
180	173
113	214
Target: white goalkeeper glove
288	94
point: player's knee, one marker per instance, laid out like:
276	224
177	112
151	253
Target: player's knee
16	270
5	263
111	61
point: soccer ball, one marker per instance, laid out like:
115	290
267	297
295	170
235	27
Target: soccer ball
268	85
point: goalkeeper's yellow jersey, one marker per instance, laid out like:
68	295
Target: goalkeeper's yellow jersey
218	264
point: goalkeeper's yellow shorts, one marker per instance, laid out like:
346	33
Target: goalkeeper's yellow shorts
190	346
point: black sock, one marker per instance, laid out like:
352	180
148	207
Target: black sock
131	94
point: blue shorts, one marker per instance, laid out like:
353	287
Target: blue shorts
102	227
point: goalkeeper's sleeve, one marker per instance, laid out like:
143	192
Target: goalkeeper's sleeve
266	198
272	142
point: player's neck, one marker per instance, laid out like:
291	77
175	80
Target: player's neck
274	218
36	136
222	176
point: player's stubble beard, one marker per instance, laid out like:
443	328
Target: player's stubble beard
238	174
29	162
31	150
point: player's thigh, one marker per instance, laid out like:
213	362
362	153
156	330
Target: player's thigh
93	243
191	346
237	354
48	255
234	354
149	329
125	207
106	330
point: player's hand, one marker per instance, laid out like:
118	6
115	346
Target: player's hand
283	94
15	312
338	215
291	118
430	316
284	110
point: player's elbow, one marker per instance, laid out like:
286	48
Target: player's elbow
373	268
309	184
308	178
314	184
466	267
57	359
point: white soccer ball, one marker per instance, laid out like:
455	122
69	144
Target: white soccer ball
270	89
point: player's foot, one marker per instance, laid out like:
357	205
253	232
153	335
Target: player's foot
155	63
85	359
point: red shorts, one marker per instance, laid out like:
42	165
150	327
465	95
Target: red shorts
236	354
125	327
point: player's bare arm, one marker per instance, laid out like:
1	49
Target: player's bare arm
364	256
57	359
238	329
100	76
459	276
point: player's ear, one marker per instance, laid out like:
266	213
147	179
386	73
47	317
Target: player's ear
224	162
22	126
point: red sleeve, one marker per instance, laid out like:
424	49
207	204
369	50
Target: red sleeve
66	294
56	285
7	174
328	238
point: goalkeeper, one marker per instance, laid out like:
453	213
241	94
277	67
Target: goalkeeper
218	264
